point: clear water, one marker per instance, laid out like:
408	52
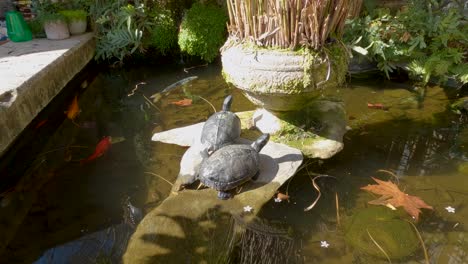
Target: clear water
419	140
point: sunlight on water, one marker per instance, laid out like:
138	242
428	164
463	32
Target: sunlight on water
417	142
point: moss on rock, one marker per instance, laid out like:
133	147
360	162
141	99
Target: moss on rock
397	237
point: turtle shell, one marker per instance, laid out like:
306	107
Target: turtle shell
229	167
221	128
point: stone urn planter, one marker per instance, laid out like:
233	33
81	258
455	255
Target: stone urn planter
77	27
55	26
56	30
283	80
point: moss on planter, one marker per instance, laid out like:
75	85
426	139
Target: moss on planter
311	79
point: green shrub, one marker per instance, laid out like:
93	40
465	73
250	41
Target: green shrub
429	39
37	28
163	35
74	15
203	31
120	27
51	17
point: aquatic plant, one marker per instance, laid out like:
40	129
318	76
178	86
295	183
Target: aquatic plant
202	31
289	24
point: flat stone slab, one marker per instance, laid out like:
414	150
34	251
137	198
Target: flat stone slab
191	226
32	73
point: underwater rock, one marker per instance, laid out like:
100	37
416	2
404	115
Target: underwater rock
384	226
463	168
194	226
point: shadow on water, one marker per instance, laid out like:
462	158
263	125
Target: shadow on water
215	236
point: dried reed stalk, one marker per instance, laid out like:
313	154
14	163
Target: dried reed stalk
309	23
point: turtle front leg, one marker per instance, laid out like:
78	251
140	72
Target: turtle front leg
255	177
222	195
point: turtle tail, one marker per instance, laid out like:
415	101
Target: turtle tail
227	103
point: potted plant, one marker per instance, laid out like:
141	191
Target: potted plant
283	54
77	21
55	25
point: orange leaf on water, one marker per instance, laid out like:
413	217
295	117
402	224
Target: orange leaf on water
282	196
391	195
376	106
184	102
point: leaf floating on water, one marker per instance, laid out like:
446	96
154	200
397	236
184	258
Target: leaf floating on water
184	102
282	196
391	195
376	106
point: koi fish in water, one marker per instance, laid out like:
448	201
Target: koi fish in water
101	148
40	123
73	110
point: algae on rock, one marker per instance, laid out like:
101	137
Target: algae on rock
382	225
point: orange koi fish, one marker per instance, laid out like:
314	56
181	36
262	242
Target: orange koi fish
40	123
101	148
73	110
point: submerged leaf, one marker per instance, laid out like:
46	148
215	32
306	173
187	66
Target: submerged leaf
376	106
184	102
391	195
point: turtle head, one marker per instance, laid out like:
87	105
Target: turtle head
227	103
260	142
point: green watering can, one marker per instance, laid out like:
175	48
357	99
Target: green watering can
18	30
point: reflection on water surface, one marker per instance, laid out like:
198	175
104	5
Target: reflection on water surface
415	137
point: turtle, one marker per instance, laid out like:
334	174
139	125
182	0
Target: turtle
221	128
231	166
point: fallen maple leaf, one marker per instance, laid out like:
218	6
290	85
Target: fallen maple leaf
392	196
184	102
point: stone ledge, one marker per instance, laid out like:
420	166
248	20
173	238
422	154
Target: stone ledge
32	74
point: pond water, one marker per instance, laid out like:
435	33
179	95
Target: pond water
63	208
